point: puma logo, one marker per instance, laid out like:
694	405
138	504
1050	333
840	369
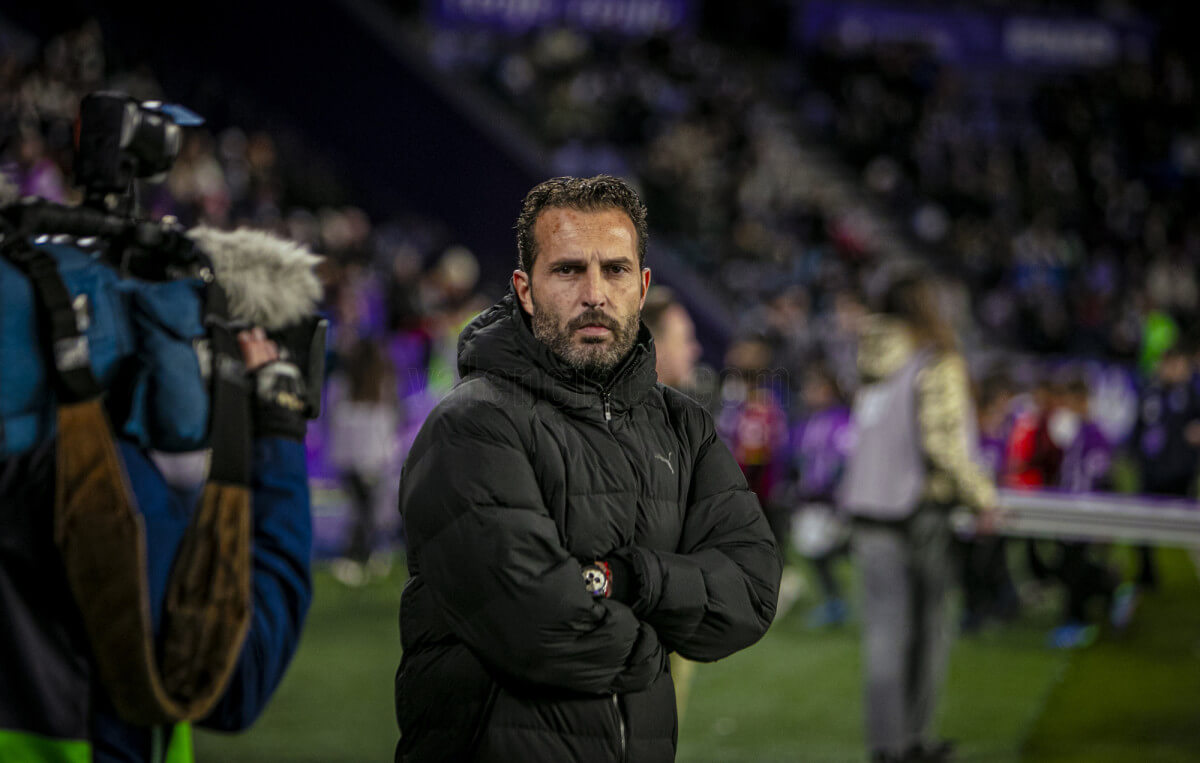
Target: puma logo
666	460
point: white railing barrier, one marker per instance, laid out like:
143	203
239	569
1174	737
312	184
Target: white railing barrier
1098	517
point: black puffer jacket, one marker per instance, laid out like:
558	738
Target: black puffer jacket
521	474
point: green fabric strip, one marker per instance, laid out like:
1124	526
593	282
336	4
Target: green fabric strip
19	745
180	750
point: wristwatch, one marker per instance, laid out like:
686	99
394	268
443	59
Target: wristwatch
597	579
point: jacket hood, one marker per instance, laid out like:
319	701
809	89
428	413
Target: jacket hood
884	347
499	341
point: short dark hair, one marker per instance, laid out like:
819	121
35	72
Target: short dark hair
592	194
993	387
913	298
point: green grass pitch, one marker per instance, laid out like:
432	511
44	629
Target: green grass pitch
796	695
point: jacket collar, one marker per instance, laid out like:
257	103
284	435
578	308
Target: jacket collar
500	341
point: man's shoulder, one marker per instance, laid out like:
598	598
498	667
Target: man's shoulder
482	390
479	402
685	411
673	398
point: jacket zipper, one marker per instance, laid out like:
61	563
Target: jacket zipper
606	393
616	703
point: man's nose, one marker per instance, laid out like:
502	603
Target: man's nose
593	294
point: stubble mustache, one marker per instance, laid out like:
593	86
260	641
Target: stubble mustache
593	318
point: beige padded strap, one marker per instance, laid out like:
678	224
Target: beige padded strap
101	538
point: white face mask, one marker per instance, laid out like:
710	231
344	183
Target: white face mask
1063	426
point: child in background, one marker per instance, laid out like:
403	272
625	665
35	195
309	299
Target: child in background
364	420
1031	462
1082	567
1032	459
820	442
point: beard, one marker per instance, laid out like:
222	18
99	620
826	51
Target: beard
592	356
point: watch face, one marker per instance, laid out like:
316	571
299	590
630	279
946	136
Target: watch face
594	580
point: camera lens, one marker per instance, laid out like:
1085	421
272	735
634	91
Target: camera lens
154	142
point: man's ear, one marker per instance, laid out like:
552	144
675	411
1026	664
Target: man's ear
524	290
645	285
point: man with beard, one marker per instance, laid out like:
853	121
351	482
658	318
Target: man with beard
571	522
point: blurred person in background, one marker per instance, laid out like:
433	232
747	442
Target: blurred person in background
988	589
675	354
1032	462
570	521
676	350
821	441
1085	467
1032	457
913	462
1166	440
1086	452
453	302
753	423
364	425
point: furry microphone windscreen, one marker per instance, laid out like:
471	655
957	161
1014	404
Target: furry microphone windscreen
270	282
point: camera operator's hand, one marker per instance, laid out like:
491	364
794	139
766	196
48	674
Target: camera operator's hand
278	388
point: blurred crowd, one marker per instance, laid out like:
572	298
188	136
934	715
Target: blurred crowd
1059	198
1054	205
710	134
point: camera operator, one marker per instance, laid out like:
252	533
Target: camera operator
128	609
50	702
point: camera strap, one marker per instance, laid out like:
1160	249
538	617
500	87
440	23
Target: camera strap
100	533
208	606
229	418
65	318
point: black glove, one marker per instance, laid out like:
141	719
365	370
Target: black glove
279	401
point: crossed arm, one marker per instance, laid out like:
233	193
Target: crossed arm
487	547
